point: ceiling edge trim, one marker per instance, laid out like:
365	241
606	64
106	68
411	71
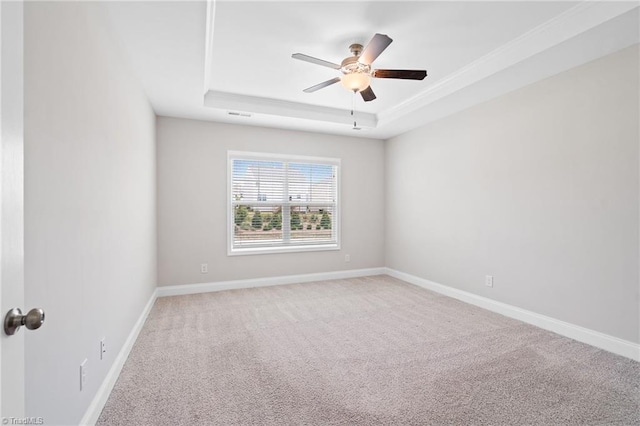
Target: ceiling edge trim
254	104
208	46
580	18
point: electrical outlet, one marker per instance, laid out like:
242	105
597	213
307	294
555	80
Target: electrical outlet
204	268
488	280
103	348
347	258
83	374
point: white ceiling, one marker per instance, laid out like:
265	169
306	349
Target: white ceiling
203	60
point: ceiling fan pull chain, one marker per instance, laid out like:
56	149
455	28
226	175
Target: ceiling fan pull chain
353	109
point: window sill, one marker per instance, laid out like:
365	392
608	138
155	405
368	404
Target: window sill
283	249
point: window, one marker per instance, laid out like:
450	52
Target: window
282	203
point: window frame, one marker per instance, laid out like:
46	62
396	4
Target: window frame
285	248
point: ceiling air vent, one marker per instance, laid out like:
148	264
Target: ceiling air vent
239	114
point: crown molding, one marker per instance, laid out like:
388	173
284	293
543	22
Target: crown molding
234	102
580	18
208	46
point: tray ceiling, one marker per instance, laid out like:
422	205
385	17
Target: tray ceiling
205	60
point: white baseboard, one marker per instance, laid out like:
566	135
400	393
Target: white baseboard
177	290
581	334
100	399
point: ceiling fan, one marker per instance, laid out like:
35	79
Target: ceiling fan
357	70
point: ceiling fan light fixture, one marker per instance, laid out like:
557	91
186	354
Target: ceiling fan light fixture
356	82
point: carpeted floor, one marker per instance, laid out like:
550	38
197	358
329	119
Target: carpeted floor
364	351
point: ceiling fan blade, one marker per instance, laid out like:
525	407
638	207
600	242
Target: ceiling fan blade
316	61
404	74
321	85
376	46
367	94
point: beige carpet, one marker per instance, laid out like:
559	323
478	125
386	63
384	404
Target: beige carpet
365	351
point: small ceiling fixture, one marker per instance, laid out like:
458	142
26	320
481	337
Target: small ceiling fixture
357	71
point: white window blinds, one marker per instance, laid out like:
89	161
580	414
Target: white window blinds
280	203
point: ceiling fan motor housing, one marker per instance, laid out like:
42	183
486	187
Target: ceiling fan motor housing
351	65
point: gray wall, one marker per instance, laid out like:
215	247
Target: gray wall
538	188
192	203
89	203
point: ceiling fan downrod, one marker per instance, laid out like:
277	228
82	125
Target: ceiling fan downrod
356	49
